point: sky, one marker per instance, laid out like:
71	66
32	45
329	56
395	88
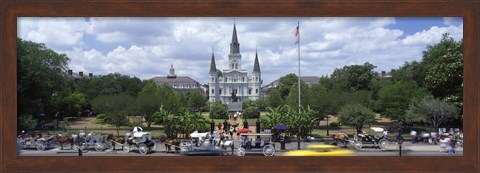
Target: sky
147	47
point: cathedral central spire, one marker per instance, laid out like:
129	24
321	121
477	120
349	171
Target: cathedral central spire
234	46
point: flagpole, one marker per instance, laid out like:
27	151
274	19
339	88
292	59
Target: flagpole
299	93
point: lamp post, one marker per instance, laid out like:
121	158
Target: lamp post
245	124
212	126
258	125
298	138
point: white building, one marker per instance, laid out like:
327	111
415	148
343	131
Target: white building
233	85
180	83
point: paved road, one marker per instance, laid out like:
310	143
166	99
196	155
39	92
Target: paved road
408	149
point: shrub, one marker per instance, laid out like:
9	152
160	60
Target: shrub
218	110
251	112
100	117
334	124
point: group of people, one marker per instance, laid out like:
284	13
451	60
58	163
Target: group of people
448	142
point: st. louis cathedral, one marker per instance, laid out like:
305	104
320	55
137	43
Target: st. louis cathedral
233	86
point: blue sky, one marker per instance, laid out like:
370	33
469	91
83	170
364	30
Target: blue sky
146	47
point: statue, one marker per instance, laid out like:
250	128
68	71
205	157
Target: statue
234	97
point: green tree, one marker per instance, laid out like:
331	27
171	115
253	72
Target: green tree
356	115
40	73
354	77
395	99
274	99
116	108
251	112
165	117
26	122
285	85
410	71
444	69
196	100
64	124
292	98
432	110
218	110
74	103
299	123
170	99
109	84
149	101
259	104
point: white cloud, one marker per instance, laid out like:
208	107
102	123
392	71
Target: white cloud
146	47
59	33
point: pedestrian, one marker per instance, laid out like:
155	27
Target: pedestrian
219	126
452	144
399	138
413	133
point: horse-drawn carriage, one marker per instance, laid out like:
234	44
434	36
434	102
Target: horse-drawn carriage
196	140
342	140
84	142
138	140
27	140
378	139
256	142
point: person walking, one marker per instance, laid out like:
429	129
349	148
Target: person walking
452	146
413	133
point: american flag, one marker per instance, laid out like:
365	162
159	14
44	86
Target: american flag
297	34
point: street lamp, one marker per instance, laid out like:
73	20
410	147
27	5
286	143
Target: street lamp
298	138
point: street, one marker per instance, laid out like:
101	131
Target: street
408	149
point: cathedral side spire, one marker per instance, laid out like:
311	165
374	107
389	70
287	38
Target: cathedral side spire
213	68
256	66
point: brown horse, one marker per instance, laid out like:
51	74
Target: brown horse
63	139
169	143
115	139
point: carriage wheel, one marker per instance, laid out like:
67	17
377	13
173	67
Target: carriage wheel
99	147
184	149
84	146
241	152
41	146
383	143
143	149
107	145
126	148
357	144
268	150
459	143
154	147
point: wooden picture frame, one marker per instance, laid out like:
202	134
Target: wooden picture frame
11	9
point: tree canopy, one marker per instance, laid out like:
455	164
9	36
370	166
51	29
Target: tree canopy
443	63
434	111
40	74
356	115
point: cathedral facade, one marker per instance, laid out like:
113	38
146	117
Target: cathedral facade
234	85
